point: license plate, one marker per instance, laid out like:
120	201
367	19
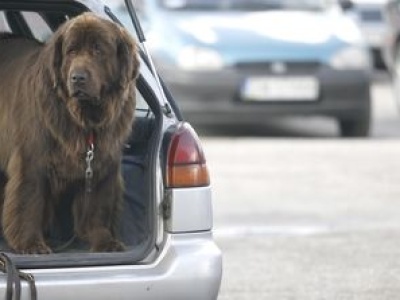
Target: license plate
288	88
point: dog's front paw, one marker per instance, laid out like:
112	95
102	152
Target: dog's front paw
109	246
35	248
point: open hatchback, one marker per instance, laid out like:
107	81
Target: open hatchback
166	222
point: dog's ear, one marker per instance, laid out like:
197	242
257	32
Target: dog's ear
54	55
128	57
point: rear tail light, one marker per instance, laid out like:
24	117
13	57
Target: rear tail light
186	164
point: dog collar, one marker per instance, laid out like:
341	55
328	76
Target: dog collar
90	140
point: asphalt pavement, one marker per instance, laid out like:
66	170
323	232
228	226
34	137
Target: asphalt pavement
300	213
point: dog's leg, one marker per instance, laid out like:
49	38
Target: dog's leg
3	181
96	220
23	209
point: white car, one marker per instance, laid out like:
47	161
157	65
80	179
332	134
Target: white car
167	218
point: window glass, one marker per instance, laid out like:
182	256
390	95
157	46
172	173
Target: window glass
40	30
3	23
141	105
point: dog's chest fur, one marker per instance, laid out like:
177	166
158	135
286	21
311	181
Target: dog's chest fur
71	166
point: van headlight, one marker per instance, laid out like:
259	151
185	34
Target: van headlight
351	58
199	59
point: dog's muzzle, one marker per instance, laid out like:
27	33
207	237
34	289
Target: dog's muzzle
80	88
79	77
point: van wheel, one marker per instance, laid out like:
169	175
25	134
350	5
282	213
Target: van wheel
359	124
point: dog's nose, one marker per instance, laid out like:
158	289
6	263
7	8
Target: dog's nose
79	76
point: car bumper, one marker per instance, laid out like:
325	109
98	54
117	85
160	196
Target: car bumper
213	97
189	267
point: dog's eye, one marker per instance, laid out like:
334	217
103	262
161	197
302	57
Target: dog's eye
71	51
97	49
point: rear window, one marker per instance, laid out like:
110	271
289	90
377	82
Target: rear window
142	108
39	28
3	23
34	25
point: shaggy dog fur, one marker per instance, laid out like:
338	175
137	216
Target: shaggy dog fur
57	100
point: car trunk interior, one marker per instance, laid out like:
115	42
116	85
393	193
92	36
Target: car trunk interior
137	218
137	224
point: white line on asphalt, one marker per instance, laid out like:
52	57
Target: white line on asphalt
252	230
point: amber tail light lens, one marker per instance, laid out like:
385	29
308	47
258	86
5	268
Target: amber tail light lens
186	164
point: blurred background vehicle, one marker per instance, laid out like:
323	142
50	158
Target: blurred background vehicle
242	61
391	49
369	15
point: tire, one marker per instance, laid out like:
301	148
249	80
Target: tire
354	128
358	126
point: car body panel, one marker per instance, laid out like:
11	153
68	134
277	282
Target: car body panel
215	98
197	216
271	35
187	267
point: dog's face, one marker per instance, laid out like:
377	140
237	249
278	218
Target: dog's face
95	62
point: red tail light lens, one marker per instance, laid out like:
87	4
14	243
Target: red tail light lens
186	164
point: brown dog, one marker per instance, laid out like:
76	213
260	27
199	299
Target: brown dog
66	109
